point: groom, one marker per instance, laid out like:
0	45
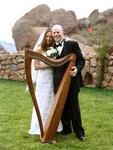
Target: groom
71	117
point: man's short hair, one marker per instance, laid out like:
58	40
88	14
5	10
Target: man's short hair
57	26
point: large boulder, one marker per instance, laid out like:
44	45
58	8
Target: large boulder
66	18
83	23
27	29
94	17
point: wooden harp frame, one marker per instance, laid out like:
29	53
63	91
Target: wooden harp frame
49	130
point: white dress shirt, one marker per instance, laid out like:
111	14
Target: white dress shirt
60	47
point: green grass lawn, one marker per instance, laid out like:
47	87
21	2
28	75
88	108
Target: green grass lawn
15	116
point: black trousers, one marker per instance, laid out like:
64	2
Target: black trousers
71	117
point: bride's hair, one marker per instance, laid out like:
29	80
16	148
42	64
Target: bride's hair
44	44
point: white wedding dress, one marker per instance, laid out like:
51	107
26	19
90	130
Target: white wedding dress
45	97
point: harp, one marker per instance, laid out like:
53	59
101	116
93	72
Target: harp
49	130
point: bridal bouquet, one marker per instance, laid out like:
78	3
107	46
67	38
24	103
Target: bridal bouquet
52	52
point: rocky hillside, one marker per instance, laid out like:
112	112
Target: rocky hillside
88	31
96	27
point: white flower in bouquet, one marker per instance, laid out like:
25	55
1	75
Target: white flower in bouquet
52	52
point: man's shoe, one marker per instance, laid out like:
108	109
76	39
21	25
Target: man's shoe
81	137
65	132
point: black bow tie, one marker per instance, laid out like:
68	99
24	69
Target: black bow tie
57	45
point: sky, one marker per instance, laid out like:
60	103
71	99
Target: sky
12	10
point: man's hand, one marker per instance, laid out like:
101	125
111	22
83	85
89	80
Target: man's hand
73	71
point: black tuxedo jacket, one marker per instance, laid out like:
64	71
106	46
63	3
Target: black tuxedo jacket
69	47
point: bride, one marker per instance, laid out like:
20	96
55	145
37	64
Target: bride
42	75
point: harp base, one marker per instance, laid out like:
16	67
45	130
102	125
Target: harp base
52	141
